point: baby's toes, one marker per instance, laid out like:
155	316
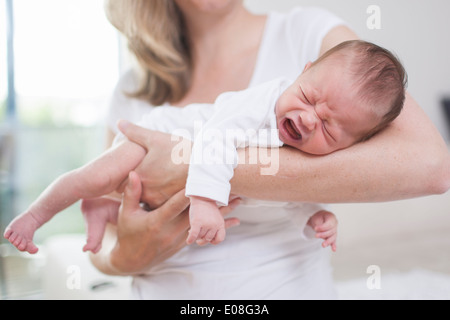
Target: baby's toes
7	234
27	246
31	248
12	236
22	245
16	239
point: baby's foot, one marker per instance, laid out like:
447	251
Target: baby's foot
20	233
98	213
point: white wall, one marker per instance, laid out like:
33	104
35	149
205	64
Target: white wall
417	31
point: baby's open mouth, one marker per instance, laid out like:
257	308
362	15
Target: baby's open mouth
292	130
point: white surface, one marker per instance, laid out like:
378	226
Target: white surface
69	275
413	285
65	251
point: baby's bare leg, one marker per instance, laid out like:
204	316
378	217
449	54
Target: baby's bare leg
97	214
98	178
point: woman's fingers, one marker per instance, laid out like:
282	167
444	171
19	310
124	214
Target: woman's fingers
175	205
231	206
134	133
231	222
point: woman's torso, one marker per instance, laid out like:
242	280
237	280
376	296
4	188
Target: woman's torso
267	256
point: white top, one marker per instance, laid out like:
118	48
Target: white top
266	257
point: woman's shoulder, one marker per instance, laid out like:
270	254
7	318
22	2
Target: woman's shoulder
308	14
310	22
291	40
303	15
305	28
128	81
122	105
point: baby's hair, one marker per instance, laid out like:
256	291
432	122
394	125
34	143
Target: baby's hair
381	79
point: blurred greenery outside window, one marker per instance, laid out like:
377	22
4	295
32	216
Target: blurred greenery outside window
66	65
3	65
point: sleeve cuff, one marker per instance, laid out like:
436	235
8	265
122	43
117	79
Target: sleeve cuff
218	193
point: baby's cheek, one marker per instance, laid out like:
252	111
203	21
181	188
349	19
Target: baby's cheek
317	145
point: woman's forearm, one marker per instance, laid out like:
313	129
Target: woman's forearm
409	159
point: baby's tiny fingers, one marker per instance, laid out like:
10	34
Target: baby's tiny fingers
326	225
220	236
334	246
325	234
210	235
201	242
193	235
330	242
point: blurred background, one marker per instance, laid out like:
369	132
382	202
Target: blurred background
59	62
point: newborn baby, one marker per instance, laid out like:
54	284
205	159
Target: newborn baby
348	95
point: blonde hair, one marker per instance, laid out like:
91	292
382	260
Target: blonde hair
155	33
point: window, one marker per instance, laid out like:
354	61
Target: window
66	61
3	66
66	64
5	152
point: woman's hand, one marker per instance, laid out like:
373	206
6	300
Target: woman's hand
145	239
161	177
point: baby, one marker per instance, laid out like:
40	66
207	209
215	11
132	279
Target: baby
346	96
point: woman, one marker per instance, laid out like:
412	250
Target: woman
191	51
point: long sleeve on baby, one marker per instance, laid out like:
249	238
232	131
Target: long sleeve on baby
238	117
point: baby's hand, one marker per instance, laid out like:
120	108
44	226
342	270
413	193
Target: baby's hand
325	224
206	222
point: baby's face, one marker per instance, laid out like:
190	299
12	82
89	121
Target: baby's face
319	112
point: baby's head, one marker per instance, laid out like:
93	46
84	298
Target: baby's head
348	95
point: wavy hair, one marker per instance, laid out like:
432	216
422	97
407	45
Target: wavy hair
156	36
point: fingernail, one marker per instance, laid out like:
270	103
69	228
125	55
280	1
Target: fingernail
123	124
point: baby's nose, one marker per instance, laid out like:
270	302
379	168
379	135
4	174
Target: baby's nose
309	120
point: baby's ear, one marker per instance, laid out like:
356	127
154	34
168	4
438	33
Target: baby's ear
308	65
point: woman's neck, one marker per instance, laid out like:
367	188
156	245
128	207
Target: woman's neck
224	47
213	35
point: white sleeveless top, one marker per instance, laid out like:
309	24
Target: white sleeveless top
267	256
